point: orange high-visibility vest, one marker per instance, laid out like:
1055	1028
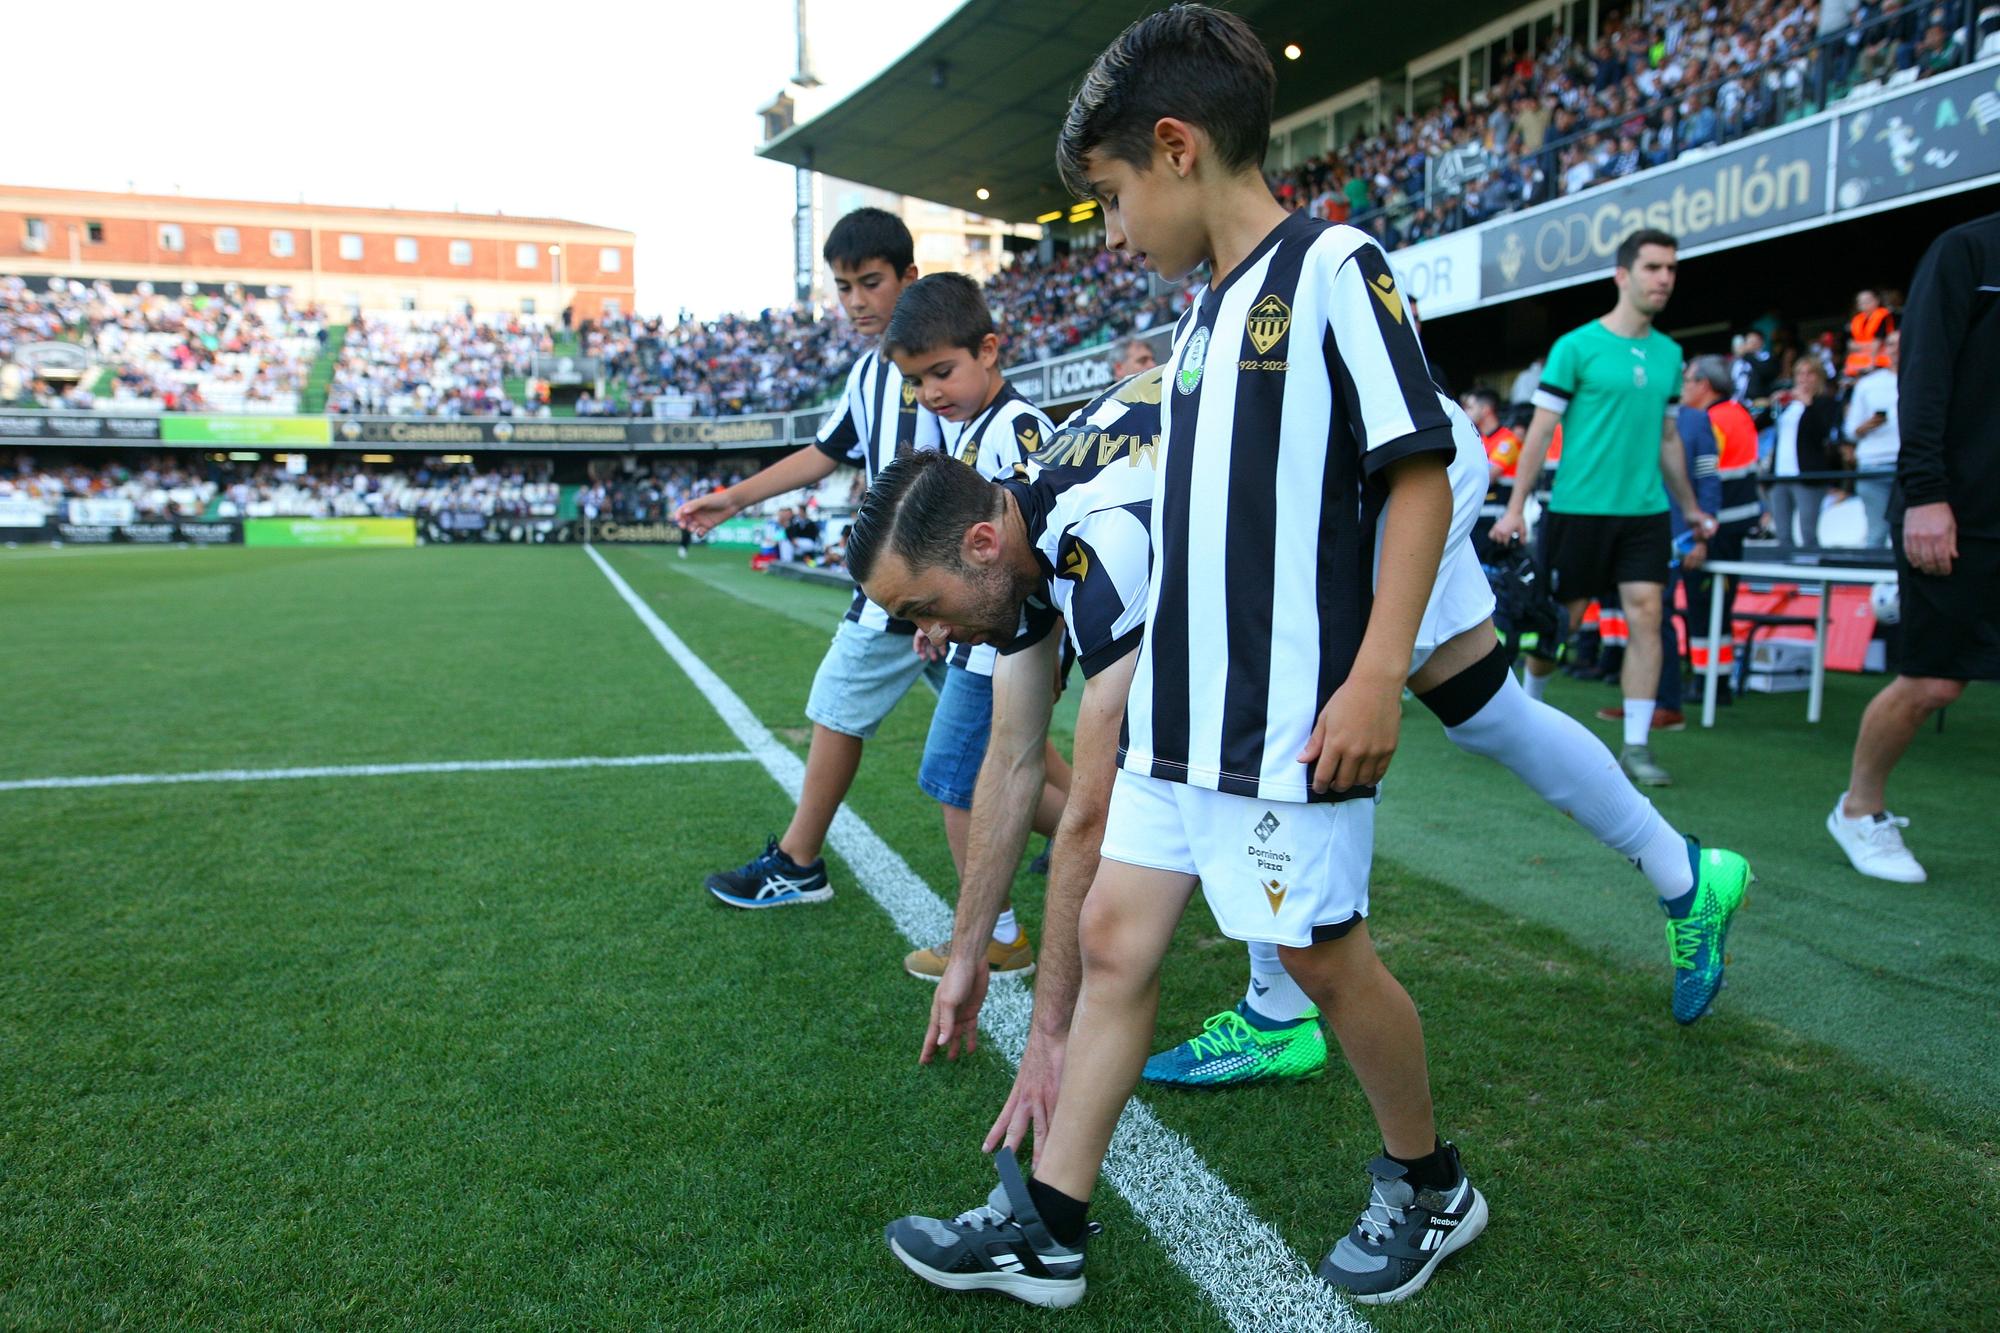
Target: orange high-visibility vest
1864	342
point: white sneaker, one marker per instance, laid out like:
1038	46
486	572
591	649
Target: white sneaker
1874	843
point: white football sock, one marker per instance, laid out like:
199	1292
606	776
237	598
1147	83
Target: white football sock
1638	721
1567	766
1535	686
1005	930
1272	991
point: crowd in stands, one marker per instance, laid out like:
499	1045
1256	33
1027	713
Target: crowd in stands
773	362
443	368
178	488
174	353
651	495
1076	300
780	360
1664	78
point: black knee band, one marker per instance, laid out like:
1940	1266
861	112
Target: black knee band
1459	699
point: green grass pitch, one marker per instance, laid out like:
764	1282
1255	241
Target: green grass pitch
475	1050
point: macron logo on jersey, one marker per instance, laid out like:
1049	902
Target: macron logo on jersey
1076	565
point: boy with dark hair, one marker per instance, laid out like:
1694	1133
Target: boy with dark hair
1218	715
942	341
874	658
1266	681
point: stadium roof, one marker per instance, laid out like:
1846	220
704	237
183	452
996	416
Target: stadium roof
1008	68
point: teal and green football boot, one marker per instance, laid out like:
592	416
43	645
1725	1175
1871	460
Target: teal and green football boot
1695	942
1238	1047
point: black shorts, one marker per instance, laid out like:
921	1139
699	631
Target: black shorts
1951	625
1589	555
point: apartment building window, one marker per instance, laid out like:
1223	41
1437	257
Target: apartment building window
527	305
228	241
171	238
36	236
350	246
609	260
612	309
461	252
407	301
524	255
283	244
406	249
94	232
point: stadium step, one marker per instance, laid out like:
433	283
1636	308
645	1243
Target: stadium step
312	398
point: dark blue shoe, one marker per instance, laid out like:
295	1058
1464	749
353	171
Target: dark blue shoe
771	879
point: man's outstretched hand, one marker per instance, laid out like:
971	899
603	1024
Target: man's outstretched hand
954	1020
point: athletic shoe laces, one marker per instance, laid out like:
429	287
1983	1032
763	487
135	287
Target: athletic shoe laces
1379	1220
1226	1031
983	1218
1883	834
1685	937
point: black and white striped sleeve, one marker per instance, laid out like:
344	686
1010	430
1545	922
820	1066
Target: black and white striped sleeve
1378	367
844	435
1102	564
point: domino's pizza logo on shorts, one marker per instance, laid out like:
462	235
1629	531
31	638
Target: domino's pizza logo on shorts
1192	361
1268	859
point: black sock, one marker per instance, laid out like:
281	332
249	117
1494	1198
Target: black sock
1062	1215
1433	1171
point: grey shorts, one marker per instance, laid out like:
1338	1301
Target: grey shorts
864	675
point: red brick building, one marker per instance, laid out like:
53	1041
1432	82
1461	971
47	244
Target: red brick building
372	259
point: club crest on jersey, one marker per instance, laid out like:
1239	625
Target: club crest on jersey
1193	358
1267	322
1274	892
1384	287
909	394
1076	565
1638	377
1030	437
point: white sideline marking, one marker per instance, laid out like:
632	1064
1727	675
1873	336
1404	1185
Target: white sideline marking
374	770
1239	1262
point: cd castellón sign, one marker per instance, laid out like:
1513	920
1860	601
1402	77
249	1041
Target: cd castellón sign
1770	182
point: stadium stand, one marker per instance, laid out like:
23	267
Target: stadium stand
166	353
1663	79
448	368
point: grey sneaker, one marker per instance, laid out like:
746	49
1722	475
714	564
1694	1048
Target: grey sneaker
1637	761
1403	1235
1000	1246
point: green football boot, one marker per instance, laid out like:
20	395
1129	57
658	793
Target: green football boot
1238	1047
1695	941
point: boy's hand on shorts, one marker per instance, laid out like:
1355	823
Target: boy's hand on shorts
1356	734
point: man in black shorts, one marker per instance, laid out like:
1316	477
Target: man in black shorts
1614	383
1946	518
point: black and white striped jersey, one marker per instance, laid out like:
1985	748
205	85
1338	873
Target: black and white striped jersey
1292	384
997	444
876	419
1087	501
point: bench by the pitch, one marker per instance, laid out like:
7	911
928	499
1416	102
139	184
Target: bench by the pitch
792	569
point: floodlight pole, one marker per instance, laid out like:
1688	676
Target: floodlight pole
802	217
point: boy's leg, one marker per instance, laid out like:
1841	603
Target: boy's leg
1128	920
1485	712
1028	1240
831	763
961	724
1377	1026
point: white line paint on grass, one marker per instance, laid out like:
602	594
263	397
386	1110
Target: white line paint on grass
374	770
1239	1261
